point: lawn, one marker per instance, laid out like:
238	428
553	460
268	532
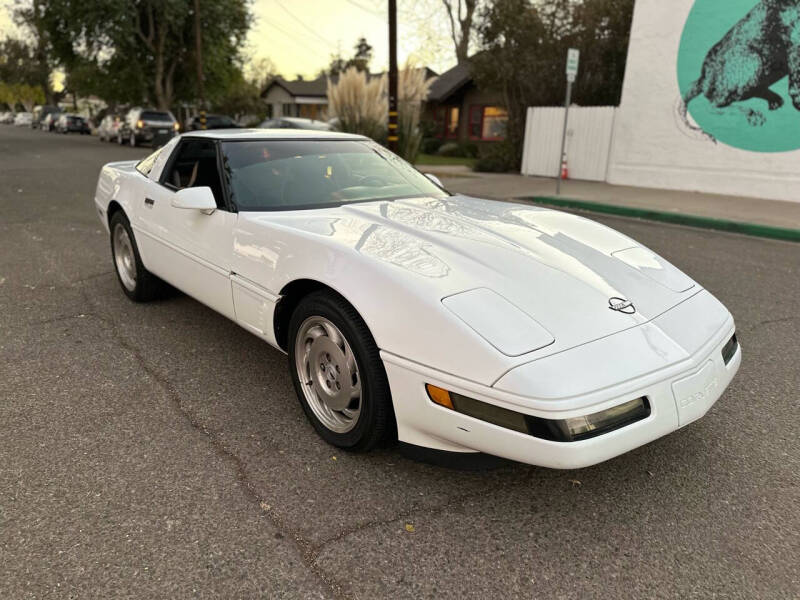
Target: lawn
435	159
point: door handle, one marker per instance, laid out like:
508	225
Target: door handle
149	201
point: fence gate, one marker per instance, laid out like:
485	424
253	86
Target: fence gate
588	144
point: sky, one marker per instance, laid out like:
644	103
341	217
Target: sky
299	36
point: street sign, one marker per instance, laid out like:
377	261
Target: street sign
573	59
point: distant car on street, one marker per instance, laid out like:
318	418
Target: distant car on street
212	122
147	126
108	128
49	121
23	119
295	123
69	123
7	117
40	112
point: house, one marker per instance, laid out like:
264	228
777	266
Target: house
298	98
462	112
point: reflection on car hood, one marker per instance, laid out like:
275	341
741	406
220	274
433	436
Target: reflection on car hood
557	267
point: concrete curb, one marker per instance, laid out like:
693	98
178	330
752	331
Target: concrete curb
765	231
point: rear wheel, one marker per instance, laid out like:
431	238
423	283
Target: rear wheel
338	374
137	282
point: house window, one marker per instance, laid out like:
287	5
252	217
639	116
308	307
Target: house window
447	122
487	123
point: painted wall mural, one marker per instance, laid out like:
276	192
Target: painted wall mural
739	73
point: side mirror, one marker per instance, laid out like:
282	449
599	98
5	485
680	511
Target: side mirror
197	198
434	179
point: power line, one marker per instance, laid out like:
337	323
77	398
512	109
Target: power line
373	11
291	36
306	27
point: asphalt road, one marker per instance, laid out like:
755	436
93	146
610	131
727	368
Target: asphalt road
157	451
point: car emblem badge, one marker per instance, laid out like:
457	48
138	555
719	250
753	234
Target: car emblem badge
621	305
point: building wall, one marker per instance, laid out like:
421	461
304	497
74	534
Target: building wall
277	97
727	143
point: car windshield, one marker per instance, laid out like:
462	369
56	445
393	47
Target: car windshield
297	174
155	116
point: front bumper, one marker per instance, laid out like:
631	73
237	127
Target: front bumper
679	391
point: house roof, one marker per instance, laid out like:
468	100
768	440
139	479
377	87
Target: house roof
300	87
450	82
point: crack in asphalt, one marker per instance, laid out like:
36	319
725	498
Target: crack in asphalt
303	546
768	322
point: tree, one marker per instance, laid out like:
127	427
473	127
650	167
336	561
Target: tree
147	47
460	14
32	18
524	46
360	60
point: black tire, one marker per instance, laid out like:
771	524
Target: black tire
376	422
147	286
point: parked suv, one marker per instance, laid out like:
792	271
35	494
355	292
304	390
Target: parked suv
49	121
147	126
40	112
68	123
212	122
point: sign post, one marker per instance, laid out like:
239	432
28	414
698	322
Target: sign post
573	59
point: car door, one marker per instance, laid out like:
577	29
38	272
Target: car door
189	248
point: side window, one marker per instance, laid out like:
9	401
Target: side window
195	165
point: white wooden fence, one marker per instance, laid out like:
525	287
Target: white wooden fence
588	146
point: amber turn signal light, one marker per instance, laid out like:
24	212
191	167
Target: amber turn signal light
439	396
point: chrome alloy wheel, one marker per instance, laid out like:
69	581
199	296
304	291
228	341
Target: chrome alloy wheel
328	374
124	258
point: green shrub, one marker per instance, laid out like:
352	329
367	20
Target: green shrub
497	158
430	145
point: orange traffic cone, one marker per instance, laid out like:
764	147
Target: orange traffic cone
564	168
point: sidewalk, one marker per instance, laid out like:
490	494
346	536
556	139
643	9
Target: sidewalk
691	208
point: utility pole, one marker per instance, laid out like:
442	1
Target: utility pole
198	40
392	137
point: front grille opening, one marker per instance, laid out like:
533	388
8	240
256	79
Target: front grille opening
729	349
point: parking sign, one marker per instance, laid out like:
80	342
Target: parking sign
573	59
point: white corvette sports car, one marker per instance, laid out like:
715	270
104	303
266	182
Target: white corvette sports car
458	324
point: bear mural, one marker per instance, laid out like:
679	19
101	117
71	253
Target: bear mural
739	73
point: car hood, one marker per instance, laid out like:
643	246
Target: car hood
559	269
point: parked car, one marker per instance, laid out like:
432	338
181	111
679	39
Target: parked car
23	119
212	122
7	118
295	123
69	123
459	323
40	112
108	128
49	121
147	126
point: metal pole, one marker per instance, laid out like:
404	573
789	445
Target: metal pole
392	128
563	136
198	40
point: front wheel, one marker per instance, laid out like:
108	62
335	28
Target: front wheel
137	282
338	374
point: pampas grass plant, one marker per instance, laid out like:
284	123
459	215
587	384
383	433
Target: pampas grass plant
362	106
